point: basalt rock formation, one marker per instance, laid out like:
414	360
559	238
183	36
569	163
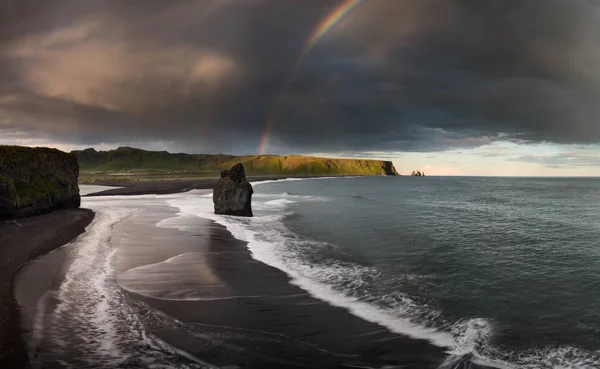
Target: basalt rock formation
36	180
417	174
233	193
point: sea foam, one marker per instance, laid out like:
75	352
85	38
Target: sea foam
265	235
263	246
92	325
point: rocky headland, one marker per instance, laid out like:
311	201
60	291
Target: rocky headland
35	181
126	159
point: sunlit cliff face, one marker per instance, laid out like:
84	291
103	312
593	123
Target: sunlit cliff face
492	87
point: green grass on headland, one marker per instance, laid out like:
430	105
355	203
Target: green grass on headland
130	164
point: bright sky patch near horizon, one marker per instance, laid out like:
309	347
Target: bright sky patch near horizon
472	88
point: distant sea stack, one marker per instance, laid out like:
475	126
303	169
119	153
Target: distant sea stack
416	173
233	193
36	180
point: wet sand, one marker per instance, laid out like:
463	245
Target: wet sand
200	291
158	187
161	187
251	316
291	314
22	240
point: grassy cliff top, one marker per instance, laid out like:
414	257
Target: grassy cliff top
36	180
130	161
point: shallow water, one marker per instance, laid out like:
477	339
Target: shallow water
507	269
136	291
84	320
504	271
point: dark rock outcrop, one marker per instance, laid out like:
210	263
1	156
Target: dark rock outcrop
417	174
36	180
233	193
387	169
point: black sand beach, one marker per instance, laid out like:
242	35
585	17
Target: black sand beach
248	314
22	240
283	324
161	187
253	317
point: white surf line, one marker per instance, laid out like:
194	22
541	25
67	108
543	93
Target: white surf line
37	334
294	179
88	281
90	189
320	290
455	352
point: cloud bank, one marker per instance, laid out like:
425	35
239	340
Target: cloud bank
391	76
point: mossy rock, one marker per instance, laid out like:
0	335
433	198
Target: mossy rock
36	180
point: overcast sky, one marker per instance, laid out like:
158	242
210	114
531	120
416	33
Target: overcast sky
488	87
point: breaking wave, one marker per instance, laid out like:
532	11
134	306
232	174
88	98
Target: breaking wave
91	309
346	284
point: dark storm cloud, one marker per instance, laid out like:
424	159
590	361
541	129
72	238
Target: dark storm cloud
191	72
523	70
412	75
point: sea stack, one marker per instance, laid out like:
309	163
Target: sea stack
35	181
233	193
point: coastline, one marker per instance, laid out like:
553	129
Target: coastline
164	187
267	322
153	187
21	241
285	326
230	309
25	239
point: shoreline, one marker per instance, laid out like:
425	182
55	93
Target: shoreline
241	302
265	301
23	240
237	310
168	186
286	309
264	308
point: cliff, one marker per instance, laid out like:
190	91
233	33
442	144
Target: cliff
126	158
36	180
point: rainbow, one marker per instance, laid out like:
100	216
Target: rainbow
333	18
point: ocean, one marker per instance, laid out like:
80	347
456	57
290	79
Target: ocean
503	271
505	268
